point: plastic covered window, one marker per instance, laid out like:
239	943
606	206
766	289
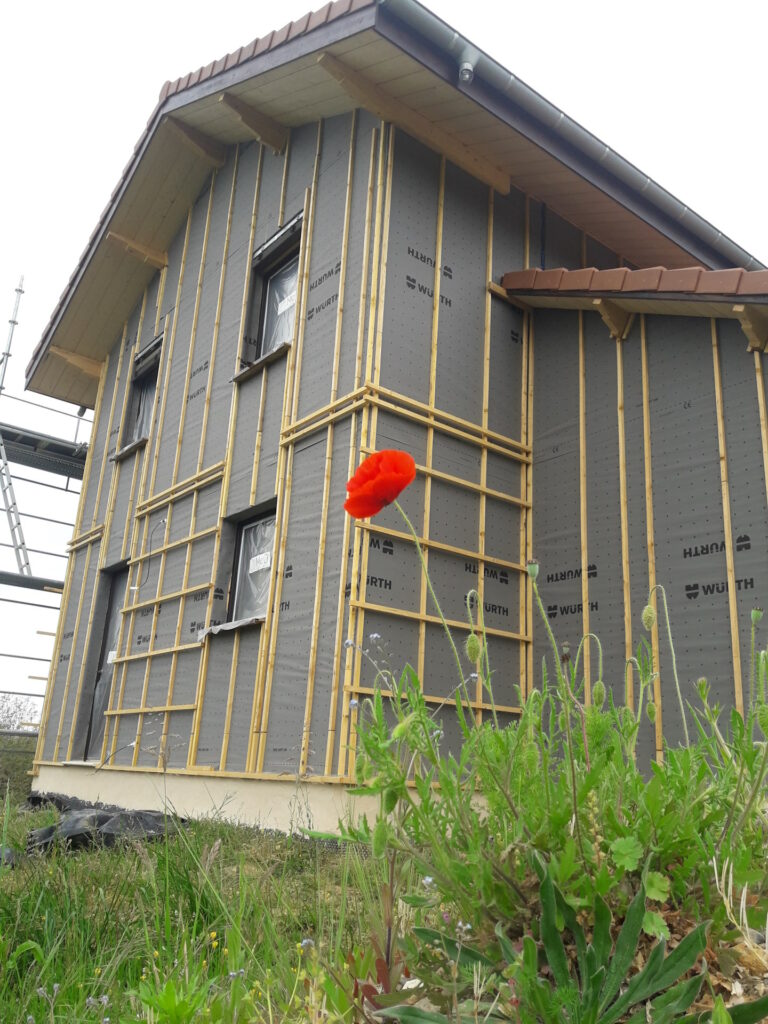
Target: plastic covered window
273	310
257	541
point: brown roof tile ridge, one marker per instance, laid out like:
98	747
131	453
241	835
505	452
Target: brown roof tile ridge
678	281
306	23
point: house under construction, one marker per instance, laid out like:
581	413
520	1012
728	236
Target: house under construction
359	233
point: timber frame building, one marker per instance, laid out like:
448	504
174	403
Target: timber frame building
360	233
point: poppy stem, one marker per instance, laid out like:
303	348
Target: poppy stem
436	603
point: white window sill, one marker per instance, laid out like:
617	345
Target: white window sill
226	627
129	449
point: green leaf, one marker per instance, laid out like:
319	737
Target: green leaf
627	852
719	1013
626	945
665	1009
412	1015
550	936
601	937
750	1013
655	925
508	950
656	886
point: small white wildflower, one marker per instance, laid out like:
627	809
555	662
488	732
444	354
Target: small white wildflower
353	704
374	636
349	643
473	675
429	881
307	944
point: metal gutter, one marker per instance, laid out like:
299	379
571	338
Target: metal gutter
563	137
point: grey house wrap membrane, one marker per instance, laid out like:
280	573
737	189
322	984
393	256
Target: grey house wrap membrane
321	279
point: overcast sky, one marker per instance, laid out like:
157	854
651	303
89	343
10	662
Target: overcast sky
676	87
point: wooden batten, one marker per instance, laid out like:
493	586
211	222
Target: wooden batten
369	95
155	258
529	495
726	495
71	665
202	145
90	367
284	476
368	427
760	382
260	125
425	529
340	689
583	507
624	518
169	358
754	324
650	541
230	703
108	433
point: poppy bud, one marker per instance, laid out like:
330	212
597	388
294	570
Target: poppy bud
533	568
757	614
702	686
648	618
762	719
651	712
473	647
598	693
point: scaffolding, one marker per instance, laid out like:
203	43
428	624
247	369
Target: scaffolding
51	459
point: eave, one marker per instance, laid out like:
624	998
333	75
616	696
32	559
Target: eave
396	57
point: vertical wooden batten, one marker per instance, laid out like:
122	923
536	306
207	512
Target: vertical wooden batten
342	685
650	541
583	507
285	479
760	382
726	496
624	517
320	567
367	435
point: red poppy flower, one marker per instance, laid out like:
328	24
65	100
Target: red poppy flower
378	481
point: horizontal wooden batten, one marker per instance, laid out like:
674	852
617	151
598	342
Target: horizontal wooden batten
404	613
476	705
189	539
156	652
151	710
160	598
458	481
204	478
428	542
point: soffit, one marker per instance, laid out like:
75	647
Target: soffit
165	176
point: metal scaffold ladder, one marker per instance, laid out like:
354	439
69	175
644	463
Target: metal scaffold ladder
6	481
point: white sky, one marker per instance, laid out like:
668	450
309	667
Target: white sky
676	87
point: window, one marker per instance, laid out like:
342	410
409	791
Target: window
274	288
253	560
143	386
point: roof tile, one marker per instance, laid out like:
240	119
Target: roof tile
263	44
754	283
578	280
645	280
298	27
713	282
684	280
548	280
608	280
318	18
519	279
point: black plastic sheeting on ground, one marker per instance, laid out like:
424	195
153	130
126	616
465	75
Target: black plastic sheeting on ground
82	825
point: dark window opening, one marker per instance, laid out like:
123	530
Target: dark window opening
142	397
273	295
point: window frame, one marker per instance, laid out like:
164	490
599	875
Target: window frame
146	365
268	260
238	566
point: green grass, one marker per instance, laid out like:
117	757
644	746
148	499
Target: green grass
206	924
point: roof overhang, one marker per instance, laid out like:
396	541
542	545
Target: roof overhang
401	61
616	295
